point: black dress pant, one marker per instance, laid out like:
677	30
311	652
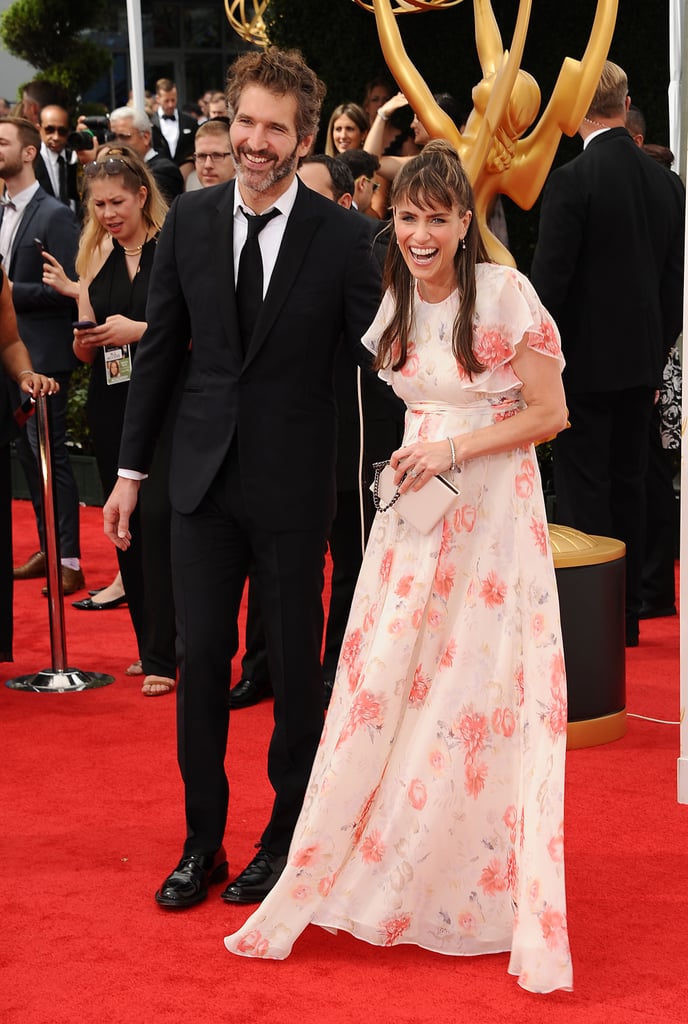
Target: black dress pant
212	550
600	467
254	664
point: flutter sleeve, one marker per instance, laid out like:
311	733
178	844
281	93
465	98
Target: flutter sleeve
508	313
371	338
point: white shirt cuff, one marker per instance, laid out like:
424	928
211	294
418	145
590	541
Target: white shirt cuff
132	474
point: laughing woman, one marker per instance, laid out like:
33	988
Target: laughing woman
434	813
125	214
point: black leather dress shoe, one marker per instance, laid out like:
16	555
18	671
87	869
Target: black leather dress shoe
188	883
256	880
246	693
89	605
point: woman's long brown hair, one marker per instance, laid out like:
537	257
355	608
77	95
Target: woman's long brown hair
435	178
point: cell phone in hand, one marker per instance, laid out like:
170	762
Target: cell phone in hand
84	325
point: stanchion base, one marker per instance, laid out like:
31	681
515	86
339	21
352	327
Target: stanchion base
70	680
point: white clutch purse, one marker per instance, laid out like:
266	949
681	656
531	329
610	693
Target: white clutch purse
423	508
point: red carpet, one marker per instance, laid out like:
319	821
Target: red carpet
92	821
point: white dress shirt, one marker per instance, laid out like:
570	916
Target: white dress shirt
170	130
270	238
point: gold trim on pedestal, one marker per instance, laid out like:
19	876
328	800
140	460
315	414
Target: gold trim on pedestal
593	732
571	547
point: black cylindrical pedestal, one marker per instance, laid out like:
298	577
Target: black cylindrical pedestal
591	582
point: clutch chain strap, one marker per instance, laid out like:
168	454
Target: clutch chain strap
379	507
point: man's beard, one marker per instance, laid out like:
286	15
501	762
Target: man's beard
263	180
11	167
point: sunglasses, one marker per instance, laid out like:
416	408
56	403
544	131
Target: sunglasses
112	165
54	129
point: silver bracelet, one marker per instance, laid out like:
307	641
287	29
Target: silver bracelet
453	468
383	117
23	373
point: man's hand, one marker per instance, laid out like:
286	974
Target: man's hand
118	509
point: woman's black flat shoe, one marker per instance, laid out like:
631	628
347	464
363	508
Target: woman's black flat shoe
89	605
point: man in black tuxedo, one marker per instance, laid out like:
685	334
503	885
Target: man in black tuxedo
252	476
609	267
174	131
56	165
32	219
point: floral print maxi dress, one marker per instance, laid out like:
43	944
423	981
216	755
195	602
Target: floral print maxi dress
434	813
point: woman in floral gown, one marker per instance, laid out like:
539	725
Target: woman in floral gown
434	813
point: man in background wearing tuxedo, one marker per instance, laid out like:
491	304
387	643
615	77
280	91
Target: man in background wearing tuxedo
57	165
609	267
252	478
174	128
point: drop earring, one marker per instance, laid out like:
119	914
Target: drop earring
463	242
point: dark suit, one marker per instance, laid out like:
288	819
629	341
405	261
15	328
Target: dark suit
167	176
252	473
185	143
45	318
609	267
45	181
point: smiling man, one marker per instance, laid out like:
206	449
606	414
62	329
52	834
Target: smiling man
252	471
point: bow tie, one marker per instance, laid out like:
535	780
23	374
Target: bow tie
7	201
169	117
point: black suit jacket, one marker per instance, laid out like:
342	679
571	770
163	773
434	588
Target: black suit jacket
609	264
278	400
44	316
167	176
43	177
377	409
185	145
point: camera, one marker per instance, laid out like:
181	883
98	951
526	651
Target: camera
80	140
97	126
96	123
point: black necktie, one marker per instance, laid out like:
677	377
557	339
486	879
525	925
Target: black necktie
62	178
169	117
249	288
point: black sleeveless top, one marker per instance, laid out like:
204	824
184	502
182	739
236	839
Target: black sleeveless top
112	292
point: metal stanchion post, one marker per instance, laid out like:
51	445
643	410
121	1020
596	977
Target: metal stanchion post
59	678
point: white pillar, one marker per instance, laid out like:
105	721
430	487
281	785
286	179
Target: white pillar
136	52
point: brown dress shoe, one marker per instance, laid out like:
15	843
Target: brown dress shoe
33	569
72	580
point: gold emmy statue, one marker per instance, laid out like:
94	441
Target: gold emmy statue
409	6
506	103
250	26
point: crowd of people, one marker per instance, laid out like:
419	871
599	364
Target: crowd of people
418	767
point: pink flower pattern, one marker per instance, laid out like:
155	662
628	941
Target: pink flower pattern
434	814
492	590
